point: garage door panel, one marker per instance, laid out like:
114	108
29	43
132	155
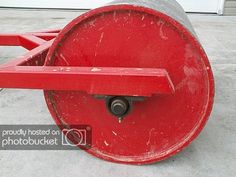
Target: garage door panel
209	6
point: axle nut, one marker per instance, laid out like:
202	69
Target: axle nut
119	106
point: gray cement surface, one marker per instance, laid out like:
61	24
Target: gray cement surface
212	154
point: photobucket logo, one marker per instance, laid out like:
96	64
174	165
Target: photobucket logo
79	136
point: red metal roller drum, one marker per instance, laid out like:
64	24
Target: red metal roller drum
136	34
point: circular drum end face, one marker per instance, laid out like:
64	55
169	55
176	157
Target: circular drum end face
133	37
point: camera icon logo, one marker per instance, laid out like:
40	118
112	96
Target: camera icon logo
79	137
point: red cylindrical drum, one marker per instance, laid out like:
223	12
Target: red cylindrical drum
136	34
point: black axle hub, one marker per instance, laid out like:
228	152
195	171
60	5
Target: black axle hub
118	106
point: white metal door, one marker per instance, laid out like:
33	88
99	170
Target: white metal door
207	6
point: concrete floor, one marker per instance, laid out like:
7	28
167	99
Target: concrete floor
212	154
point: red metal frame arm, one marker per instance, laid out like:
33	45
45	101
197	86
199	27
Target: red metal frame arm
34	57
9	40
28	41
97	81
37	44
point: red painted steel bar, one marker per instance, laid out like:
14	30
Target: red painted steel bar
100	81
51	31
9	40
30	41
32	55
45	36
37	44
